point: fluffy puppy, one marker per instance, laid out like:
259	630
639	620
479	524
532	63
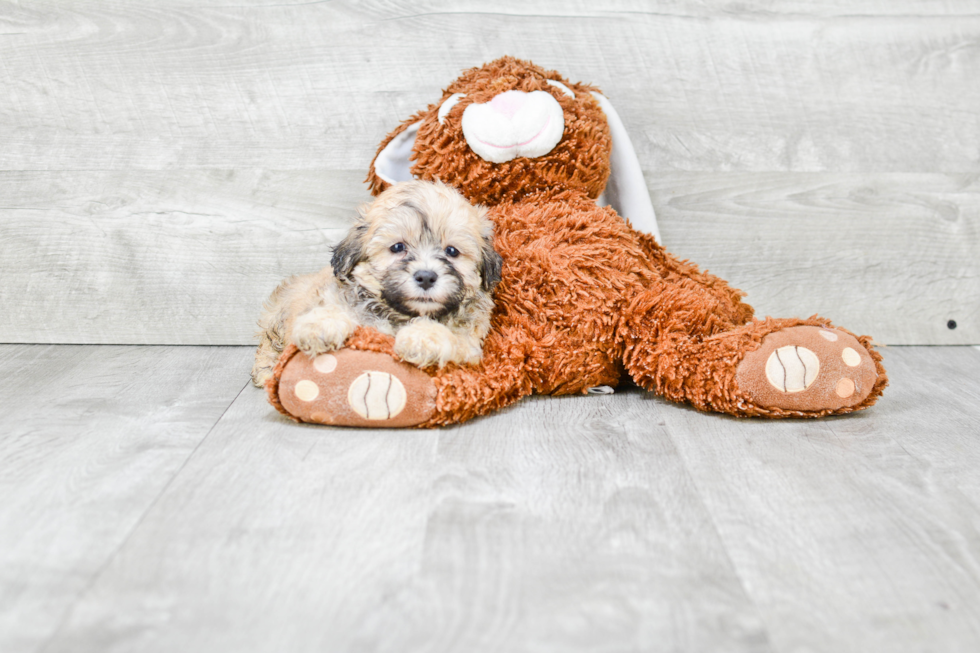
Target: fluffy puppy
418	264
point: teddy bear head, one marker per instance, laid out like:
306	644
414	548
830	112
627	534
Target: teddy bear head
500	132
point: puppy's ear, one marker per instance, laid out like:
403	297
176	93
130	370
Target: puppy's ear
349	252
490	266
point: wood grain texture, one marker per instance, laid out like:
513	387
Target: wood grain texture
614	523
89	437
188	256
166	164
893	256
855	534
564	524
869	87
183	257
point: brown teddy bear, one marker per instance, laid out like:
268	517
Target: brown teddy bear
584	298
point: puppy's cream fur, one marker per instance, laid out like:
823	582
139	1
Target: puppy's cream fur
419	264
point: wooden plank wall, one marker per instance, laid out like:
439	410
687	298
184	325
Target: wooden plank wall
163	165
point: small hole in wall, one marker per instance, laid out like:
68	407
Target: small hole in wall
951	325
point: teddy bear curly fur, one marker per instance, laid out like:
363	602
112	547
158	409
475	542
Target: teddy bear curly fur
584	299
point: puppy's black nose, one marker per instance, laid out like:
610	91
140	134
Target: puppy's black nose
426	278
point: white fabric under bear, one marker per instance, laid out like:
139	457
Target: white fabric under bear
626	190
392	163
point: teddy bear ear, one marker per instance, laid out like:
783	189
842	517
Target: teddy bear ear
626	191
391	165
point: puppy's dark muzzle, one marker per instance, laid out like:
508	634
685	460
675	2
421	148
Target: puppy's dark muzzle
425	278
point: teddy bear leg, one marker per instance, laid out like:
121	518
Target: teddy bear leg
812	368
771	367
364	384
714	295
351	387
473	390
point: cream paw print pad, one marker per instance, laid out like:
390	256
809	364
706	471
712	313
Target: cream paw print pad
377	396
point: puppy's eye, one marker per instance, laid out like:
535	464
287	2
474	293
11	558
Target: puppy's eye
452	252
397	248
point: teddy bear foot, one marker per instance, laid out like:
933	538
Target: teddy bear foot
350	387
809	370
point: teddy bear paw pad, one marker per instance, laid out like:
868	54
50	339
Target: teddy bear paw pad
809	369
377	396
356	388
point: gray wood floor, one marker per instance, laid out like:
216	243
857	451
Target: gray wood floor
150	500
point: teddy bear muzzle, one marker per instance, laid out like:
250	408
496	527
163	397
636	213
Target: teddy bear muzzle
514	124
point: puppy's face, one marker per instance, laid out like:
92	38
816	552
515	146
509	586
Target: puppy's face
421	249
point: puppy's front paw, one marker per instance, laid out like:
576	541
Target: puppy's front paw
320	331
260	375
425	343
